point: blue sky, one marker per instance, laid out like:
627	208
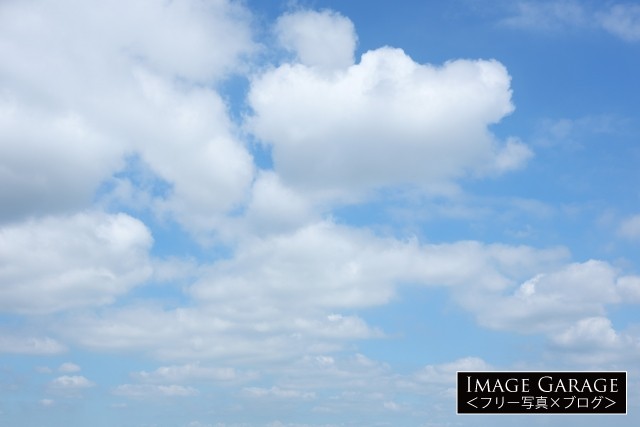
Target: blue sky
312	213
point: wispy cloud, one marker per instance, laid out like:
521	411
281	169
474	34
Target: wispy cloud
622	20
630	228
20	344
619	19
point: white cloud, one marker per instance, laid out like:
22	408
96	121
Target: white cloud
630	228
326	39
548	15
629	289
587	333
68	367
107	98
550	302
317	266
382	122
172	269
71	261
274	207
21	344
593	340
69	385
328	266
287	294
104	90
512	157
178	37
225	332
623	20
194	150
49	161
141	391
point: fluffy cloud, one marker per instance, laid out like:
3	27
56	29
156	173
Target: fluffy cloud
71	261
103	90
71	386
629	289
552	301
593	340
587	333
49	161
194	40
194	150
287	294
75	381
384	121
275	207
325	39
328	266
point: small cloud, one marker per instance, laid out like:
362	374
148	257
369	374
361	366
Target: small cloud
514	155
595	341
74	382
588	333
69	368
70	386
321	39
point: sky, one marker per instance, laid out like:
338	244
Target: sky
219	213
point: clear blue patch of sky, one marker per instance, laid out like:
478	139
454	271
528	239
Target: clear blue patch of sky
424	326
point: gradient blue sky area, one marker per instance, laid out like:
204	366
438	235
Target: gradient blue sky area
217	213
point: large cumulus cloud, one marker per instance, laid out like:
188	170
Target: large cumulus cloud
86	85
340	129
